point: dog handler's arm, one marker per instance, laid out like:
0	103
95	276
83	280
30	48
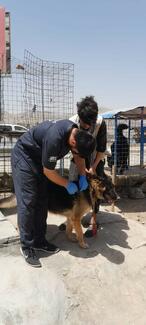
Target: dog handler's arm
53	176
98	158
80	163
101	141
81	166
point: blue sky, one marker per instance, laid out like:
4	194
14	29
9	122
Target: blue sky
106	41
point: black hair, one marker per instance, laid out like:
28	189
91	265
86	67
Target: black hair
87	110
85	143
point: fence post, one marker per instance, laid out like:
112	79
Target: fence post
129	128
62	167
114	168
141	140
42	90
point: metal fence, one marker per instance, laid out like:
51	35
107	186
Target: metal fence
36	90
126	150
49	89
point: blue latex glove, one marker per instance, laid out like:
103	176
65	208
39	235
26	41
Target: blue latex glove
71	188
83	184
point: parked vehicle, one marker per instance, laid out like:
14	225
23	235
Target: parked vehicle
9	133
5	127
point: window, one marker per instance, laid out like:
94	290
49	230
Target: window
20	128
5	128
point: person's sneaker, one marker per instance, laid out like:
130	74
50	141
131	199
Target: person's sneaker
47	247
30	256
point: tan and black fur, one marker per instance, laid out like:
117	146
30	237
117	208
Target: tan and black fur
74	207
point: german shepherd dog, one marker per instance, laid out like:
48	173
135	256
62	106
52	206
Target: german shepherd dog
75	206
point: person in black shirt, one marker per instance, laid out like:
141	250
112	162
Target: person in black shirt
122	150
34	158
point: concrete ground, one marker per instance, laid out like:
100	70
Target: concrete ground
102	285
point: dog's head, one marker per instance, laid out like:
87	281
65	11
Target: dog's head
102	189
109	194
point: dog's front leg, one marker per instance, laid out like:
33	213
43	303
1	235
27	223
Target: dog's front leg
69	229
79	232
95	224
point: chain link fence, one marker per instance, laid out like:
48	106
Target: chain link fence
36	90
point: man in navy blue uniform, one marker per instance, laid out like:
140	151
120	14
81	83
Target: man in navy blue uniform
34	158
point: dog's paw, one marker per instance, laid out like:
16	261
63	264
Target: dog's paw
72	237
84	245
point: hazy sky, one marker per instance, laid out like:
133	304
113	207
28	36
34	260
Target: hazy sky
106	41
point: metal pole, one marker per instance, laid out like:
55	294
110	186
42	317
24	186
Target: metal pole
114	169
129	129
141	140
62	167
42	90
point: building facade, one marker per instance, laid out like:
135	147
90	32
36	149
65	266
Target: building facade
5	41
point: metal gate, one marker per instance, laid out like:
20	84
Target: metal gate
143	145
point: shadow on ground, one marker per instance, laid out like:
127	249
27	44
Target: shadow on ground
8	211
111	233
131	205
111	236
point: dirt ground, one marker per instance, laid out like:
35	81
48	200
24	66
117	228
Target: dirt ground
134	209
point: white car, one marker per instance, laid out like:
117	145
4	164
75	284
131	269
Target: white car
9	133
5	127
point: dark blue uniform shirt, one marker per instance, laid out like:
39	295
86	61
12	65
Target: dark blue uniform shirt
46	142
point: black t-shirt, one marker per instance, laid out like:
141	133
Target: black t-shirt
46	142
101	138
